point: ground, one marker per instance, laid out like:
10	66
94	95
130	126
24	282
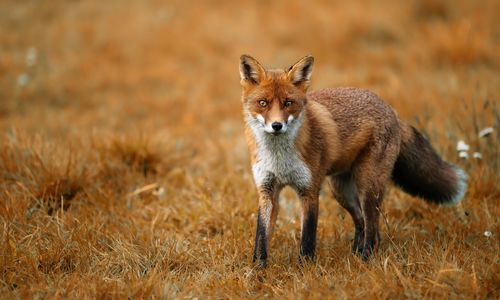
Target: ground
124	171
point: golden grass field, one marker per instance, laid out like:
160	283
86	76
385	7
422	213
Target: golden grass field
123	167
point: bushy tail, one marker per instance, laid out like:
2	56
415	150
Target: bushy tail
420	171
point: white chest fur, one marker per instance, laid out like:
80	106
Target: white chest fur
277	158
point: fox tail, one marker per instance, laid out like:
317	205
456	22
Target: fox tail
420	171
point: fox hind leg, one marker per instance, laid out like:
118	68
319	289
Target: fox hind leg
372	175
346	193
370	203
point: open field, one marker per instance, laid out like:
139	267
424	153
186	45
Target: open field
124	171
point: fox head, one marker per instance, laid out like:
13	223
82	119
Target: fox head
274	99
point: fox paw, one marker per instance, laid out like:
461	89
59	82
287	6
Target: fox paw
261	263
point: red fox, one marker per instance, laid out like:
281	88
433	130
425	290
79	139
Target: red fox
349	135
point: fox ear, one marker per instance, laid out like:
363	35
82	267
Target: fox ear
300	73
251	70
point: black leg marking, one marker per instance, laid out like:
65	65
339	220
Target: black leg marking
260	250
359	236
309	224
266	218
371	214
308	239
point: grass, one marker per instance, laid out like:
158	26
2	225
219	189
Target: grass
124	172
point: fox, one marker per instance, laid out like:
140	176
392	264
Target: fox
346	135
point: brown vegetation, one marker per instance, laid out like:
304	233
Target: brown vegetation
124	171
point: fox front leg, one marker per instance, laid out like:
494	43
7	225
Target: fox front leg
266	218
310	205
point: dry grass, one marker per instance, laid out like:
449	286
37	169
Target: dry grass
124	173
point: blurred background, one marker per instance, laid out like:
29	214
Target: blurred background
69	66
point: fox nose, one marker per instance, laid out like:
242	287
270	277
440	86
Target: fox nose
277	126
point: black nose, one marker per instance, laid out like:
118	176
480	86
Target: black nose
277	126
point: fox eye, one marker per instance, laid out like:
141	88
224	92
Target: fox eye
263	103
288	103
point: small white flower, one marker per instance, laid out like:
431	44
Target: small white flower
485	132
31	56
159	192
477	155
23	80
488	233
462	146
463	154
